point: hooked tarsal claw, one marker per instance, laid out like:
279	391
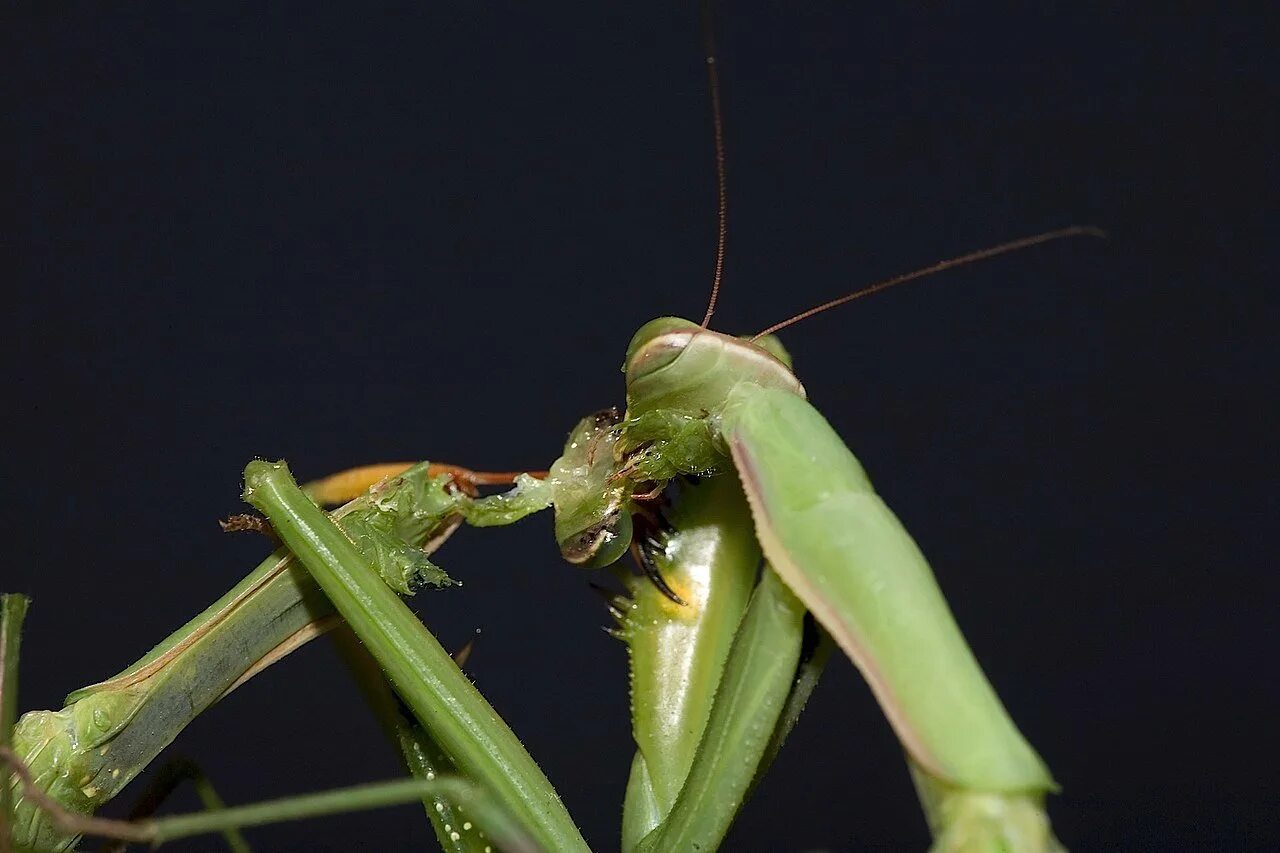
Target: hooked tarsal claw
644	557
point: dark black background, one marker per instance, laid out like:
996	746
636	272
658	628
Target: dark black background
429	230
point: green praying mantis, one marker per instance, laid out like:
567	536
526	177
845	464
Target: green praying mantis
763	549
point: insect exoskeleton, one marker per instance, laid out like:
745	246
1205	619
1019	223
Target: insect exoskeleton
680	377
593	520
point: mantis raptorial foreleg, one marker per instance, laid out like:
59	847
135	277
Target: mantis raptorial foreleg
758	676
707	404
850	560
711	560
714	681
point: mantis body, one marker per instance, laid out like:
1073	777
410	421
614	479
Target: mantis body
764	546
716	650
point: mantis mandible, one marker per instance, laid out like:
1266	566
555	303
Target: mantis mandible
717	463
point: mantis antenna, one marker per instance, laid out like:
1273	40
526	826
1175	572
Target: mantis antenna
717	123
971	257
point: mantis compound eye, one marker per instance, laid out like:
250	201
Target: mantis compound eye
656	345
601	544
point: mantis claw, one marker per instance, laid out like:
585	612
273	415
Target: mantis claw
643	553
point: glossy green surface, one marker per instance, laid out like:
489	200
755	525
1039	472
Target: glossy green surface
757	680
963	820
703	402
678	379
678	651
844	553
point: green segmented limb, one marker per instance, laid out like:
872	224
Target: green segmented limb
812	664
84	754
849	559
757	679
677	652
963	820
441	697
847	556
702	401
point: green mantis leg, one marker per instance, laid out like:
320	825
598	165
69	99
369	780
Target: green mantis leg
415	507
715	683
703	402
440	696
848	558
678	651
758	677
84	754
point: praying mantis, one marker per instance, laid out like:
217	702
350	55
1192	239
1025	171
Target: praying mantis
716	463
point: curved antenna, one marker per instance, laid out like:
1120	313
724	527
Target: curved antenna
981	255
717	122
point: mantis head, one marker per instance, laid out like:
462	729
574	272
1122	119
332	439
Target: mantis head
679	376
673	363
